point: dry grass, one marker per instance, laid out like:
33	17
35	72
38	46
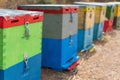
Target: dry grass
104	64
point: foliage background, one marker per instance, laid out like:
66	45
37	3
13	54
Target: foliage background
12	4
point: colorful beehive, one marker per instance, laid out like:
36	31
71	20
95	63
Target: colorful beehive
116	21
20	44
100	10
85	27
109	17
59	49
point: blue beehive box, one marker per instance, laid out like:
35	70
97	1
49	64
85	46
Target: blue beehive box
85	39
98	31
59	50
18	71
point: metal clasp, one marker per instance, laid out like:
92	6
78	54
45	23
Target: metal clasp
26	62
71	41
27	30
71	17
90	14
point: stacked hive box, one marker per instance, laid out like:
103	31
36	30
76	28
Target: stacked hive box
100	10
109	17
59	49
116	21
85	27
20	44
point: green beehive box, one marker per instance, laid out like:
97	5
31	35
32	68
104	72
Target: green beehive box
109	11
20	36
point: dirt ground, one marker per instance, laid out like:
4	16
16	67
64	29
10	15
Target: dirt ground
104	64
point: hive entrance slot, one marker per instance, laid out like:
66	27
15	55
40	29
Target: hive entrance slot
75	9
70	59
67	9
35	18
14	21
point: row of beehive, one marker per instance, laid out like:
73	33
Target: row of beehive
21	37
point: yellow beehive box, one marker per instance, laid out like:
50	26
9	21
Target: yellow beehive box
86	17
100	12
117	11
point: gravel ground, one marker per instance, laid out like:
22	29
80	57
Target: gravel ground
104	64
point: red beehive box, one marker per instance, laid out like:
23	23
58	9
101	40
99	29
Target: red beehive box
7	21
108	25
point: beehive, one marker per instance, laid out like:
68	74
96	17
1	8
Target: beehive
116	21
116	9
108	24
59	31
85	27
100	11
18	31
